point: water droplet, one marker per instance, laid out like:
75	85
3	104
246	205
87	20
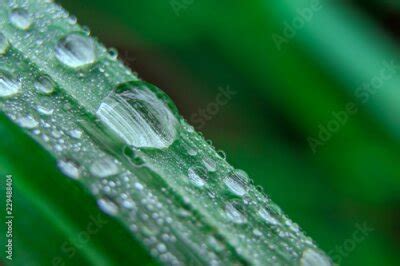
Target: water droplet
139	117
161	248
45	85
210	164
21	19
266	216
107	206
113	53
311	257
215	243
237	182
27	122
257	232
192	152
104	167
72	20
76	51
69	168
44	110
132	155
9	84
197	176
129	204
75	133
234	212
222	154
4	44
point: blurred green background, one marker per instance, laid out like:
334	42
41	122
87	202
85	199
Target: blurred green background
314	110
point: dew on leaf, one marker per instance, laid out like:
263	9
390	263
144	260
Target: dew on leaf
69	168
4	44
234	212
44	110
9	84
27	122
312	257
139	117
107	206
209	164
104	167
237	182
75	133
44	84
198	176
76	51
21	18
266	216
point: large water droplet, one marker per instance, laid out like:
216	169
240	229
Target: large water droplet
69	168
44	84
107	206
9	84
237	182
4	44
104	167
139	117
312	257
20	18
266	216
27	122
198	176
76	50
234	212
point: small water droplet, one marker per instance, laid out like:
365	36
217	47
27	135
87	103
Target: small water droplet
237	182
312	257
56	133
69	168
215	243
128	203
161	248
132	155
4	44
104	167
21	18
76	51
9	84
234	212
210	164
44	84
198	176
139	117
113	53
44	110
257	232
192	152
266	216
27	122
75	133
72	20
222	154
107	206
